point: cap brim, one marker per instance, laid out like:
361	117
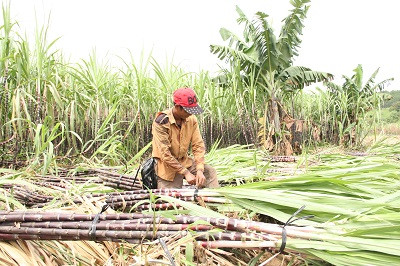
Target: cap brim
193	110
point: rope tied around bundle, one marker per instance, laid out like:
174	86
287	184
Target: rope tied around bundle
92	228
290	221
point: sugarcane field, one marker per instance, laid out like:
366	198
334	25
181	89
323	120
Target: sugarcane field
259	144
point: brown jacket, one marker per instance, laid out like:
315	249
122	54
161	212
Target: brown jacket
171	145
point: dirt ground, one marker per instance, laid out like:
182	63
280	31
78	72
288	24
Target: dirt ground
387	139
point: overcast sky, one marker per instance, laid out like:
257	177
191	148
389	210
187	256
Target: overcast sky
338	34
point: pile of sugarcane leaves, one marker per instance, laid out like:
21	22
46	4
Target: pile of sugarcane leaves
85	216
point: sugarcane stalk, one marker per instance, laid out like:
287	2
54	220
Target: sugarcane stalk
206	244
111	184
137	196
153	206
285	170
126	182
56	179
85	232
22	216
102	171
190	191
52	185
129	234
158	206
63	238
281	158
130	203
32	195
223	223
113	225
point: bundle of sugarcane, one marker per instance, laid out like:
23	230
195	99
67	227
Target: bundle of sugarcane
117	180
100	176
31	198
139	228
334	245
141	199
128	200
278	158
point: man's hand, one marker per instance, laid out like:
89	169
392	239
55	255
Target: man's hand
190	178
200	179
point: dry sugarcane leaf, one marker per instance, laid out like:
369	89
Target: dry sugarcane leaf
287	147
58	250
110	247
44	249
48	260
19	244
23	245
316	133
288	120
36	253
84	251
6	262
122	254
238	260
301	126
220	251
174	244
78	251
99	249
14	253
88	206
201	202
220	260
120	258
157	251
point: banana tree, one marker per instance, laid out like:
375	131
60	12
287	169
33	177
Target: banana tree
271	58
353	100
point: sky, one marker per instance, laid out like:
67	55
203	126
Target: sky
338	34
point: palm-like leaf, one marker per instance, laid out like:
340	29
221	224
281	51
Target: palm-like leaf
370	85
261	51
231	54
297	76
266	43
333	87
289	39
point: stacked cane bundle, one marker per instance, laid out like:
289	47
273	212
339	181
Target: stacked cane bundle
107	177
278	158
34	196
139	198
140	228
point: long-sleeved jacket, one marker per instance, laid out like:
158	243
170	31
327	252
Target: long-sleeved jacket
171	145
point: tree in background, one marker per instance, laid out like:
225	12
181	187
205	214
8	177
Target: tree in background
352	101
265	63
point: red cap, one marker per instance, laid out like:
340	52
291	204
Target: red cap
186	97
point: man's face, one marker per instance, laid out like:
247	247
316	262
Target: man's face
182	113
